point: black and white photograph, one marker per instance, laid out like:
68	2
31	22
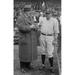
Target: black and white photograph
37	37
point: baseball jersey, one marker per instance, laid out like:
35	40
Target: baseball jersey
49	26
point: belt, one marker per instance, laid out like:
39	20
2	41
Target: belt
47	34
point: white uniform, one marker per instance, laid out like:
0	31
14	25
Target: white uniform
48	28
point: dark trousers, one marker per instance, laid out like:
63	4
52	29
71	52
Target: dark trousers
24	65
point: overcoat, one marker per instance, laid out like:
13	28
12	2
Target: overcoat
28	39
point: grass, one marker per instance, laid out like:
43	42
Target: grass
36	64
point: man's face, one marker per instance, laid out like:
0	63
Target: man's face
48	16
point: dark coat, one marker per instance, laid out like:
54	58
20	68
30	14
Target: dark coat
28	39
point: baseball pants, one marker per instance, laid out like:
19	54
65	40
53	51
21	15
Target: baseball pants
47	47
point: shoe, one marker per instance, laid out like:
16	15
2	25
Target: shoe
30	67
42	67
52	70
23	70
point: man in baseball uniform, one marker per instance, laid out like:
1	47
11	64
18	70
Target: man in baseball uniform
49	33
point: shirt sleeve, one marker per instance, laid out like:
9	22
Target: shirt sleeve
56	26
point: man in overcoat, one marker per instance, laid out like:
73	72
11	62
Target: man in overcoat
27	41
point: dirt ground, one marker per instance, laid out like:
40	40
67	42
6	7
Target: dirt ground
36	64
